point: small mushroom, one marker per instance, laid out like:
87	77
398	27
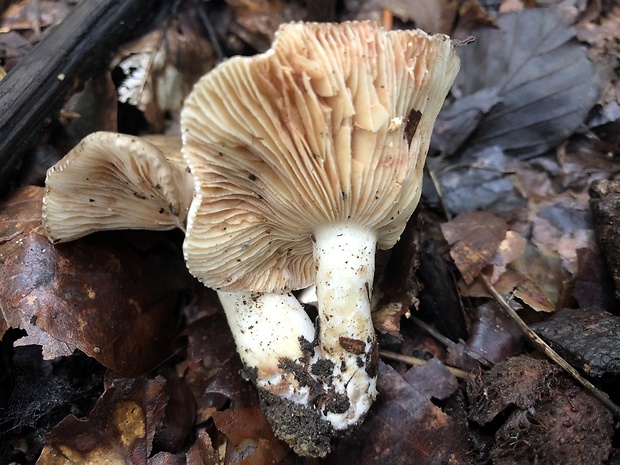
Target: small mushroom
305	160
115	181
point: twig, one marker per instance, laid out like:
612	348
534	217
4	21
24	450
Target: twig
387	19
215	43
432	331
414	361
548	351
437	186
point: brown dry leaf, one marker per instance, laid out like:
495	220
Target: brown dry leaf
547	418
511	248
126	424
474	240
494	337
602	34
202	452
33	16
113	296
115	432
252	441
404	426
261	18
545	283
212	368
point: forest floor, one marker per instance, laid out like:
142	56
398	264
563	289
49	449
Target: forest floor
113	353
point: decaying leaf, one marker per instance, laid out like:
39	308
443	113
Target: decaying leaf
404	426
113	296
474	239
485	184
494	338
252	441
33	16
544	82
260	19
121	428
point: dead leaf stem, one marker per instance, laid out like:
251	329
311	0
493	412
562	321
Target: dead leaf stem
414	361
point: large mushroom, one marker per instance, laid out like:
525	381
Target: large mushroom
304	160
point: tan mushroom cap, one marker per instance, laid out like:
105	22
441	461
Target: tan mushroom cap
115	181
330	125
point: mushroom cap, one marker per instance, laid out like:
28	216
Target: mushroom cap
116	181
332	124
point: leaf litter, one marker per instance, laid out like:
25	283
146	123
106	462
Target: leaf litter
519	148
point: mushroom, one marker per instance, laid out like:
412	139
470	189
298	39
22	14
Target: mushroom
116	181
304	160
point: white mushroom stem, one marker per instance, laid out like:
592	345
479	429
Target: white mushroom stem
345	259
334	375
267	329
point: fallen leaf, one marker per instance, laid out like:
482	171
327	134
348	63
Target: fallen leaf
251	437
494	338
474	239
161	68
30	16
404	426
260	19
115	432
546	85
113	296
488	183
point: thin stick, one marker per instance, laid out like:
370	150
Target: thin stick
215	43
414	361
387	19
432	331
548	351
437	186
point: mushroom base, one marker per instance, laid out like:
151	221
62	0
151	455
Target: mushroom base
300	426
